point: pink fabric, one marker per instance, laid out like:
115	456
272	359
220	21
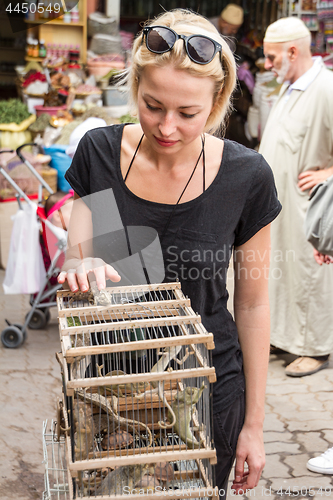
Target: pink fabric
245	75
60	203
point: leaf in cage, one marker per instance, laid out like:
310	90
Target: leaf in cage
74	321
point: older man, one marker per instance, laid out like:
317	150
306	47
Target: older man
229	22
298	144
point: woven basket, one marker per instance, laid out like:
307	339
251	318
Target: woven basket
99	23
50	175
106	44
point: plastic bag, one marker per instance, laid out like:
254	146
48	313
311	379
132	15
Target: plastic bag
25	272
319	218
61	162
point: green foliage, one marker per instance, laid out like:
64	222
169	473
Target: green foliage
13	111
76	321
128	119
41	123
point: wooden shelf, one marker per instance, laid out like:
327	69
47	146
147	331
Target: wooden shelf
36	59
54	21
55	31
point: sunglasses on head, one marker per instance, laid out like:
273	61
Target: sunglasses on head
199	48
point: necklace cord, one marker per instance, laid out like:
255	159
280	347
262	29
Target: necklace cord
202	154
132	160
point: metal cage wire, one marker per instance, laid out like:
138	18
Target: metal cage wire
137	375
55	475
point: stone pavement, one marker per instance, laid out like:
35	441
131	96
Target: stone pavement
298	423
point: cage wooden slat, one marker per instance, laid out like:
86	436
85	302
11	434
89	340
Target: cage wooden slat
106	317
65	343
186	339
189	493
133	288
133	324
133	451
79	383
113	309
143	458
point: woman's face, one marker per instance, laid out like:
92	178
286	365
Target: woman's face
173	107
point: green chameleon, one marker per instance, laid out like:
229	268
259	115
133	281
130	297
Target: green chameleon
183	407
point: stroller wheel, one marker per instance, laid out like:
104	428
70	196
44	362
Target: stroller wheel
12	337
47	315
38	320
20	327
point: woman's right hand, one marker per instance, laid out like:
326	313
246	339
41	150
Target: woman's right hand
76	271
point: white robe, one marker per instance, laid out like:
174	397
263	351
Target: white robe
299	137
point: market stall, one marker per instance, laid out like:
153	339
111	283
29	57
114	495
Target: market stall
72	61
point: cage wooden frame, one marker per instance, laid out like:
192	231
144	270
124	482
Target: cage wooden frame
173	312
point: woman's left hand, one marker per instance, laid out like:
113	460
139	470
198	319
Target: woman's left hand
310	178
250	449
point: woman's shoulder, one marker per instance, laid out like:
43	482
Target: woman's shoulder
244	161
110	133
233	151
236	151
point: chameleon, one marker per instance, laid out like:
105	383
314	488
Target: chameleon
127	476
109	408
124	389
167	355
183	407
84	438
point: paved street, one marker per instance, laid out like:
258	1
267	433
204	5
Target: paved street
298	424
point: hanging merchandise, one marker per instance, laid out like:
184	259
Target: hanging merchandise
325	17
25	272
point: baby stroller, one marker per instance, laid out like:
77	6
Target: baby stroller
53	244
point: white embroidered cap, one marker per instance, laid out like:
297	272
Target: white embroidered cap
286	30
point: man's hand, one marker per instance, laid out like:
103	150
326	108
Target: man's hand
310	178
250	449
76	271
321	259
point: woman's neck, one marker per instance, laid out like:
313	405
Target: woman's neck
181	160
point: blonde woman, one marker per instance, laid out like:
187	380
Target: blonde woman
205	197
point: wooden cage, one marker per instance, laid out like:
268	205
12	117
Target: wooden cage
137	373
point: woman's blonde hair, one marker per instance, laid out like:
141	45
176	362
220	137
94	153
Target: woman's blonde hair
186	22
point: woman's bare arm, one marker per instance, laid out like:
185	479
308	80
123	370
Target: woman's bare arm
251	307
80	265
